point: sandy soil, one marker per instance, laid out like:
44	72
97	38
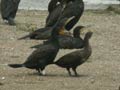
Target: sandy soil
101	72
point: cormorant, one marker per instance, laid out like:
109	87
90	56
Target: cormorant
43	33
72	10
76	58
69	42
40	34
66	9
45	54
9	9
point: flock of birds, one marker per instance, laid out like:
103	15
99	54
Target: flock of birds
63	15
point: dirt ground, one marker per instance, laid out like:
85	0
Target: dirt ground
101	72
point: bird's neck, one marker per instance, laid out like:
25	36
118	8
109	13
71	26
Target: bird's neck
86	42
55	40
55	36
87	50
87	46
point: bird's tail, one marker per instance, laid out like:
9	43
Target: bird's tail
15	65
24	37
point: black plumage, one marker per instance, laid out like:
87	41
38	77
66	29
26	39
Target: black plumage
72	42
76	58
55	8
69	42
9	9
45	33
54	15
72	10
42	33
52	5
66	9
45	54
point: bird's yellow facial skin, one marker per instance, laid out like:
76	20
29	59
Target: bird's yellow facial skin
61	32
64	32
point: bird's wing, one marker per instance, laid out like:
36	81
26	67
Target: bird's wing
42	52
70	57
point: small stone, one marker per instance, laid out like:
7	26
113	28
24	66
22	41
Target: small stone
3	78
92	81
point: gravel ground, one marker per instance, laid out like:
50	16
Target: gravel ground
101	72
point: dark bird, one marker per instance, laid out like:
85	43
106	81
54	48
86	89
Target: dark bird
9	9
73	9
42	33
57	14
45	33
45	54
76	58
69	42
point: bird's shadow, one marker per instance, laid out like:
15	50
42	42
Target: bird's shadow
1	84
57	75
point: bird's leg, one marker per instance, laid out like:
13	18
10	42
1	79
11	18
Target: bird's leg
74	69
11	21
43	72
68	69
39	71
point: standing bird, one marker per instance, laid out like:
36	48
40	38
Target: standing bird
45	54
54	13
76	58
40	34
9	9
69	42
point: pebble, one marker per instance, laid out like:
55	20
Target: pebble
3	78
